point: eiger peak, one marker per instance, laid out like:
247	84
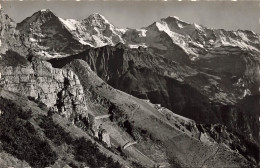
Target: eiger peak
44	12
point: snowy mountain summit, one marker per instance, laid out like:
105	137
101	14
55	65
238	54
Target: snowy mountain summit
94	31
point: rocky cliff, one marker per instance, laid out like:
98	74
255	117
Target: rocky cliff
59	88
10	37
47	36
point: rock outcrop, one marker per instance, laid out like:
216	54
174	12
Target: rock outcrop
54	87
104	137
10	38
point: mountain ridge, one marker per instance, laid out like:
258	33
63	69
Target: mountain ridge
97	31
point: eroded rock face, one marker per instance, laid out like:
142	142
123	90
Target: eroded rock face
10	38
104	137
53	87
46	36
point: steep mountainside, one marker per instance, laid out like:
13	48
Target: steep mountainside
151	127
31	136
230	57
204	97
46	35
94	30
10	37
53	87
177	39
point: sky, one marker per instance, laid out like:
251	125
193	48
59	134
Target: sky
226	14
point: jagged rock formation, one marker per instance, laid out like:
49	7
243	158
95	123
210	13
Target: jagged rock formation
94	30
10	38
46	36
54	87
211	53
96	127
230	56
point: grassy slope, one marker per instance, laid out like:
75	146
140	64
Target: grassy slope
59	137
182	150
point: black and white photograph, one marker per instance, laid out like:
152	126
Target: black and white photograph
129	84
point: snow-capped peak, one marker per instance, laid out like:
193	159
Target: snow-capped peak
44	10
45	13
39	17
175	17
173	22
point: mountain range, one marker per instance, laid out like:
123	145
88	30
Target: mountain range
172	94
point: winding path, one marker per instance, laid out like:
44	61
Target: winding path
129	144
